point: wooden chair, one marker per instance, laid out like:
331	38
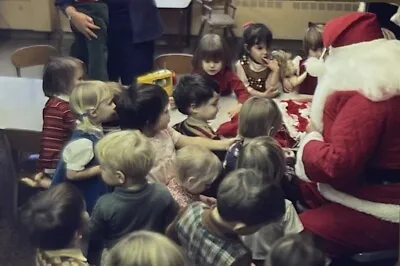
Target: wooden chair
23	140
218	15
178	63
32	56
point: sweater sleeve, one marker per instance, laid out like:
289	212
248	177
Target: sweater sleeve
97	226
238	87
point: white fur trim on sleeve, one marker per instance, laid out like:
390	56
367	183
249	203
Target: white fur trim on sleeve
383	211
300	171
77	154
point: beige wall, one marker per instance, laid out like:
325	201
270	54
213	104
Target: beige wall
287	19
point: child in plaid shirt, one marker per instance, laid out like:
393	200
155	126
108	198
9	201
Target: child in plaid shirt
210	236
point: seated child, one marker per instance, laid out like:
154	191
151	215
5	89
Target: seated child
312	47
145	248
210	236
256	68
265	155
134	204
55	221
60	76
145	107
294	250
91	101
197	169
213	59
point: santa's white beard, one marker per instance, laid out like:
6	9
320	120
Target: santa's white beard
371	68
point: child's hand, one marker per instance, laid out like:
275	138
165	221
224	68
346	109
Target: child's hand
310	127
272	64
210	201
226	143
271	92
171	103
235	110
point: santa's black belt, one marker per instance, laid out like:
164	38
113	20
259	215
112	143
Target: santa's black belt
382	176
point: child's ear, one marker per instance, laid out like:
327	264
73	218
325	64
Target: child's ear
191	180
121	177
193	109
92	113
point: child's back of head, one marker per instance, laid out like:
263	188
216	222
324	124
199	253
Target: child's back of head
54	217
194	90
259	117
245	197
312	42
265	155
60	75
144	248
295	250
126	156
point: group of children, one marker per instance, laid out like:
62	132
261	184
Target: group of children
222	200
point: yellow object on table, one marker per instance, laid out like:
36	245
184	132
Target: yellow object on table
163	78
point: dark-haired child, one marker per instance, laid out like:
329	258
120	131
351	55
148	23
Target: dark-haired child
256	68
145	107
212	58
59	78
55	221
210	236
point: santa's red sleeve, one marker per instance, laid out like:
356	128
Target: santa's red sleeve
238	87
354	135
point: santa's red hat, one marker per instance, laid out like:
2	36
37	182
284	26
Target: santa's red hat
352	28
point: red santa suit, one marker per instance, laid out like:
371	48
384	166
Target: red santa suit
351	162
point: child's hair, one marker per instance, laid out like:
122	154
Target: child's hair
141	105
293	250
254	34
283	58
245	196
194	89
212	47
259	117
265	155
52	217
196	161
59	75
143	248
128	151
87	96
313	38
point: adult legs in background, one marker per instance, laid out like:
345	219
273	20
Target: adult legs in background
384	11
93	52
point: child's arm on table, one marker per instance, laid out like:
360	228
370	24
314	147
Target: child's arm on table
76	155
272	83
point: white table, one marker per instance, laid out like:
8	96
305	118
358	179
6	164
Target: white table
173	4
21	103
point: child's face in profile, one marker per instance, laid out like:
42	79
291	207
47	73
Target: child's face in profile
197	186
163	120
211	67
207	111
258	52
105	112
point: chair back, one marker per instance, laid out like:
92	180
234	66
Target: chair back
23	140
32	56
178	63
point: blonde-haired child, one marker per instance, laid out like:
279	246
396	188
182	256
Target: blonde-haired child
145	107
59	78
197	168
145	248
294	250
288	72
265	155
258	117
126	158
91	101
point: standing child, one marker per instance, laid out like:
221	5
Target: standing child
134	204
212	58
59	78
294	250
265	155
256	68
197	168
145	107
144	248
91	101
89	46
312	47
55	221
210	236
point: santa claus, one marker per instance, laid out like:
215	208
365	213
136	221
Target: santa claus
349	159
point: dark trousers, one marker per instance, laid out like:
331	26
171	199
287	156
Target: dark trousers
93	52
128	60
